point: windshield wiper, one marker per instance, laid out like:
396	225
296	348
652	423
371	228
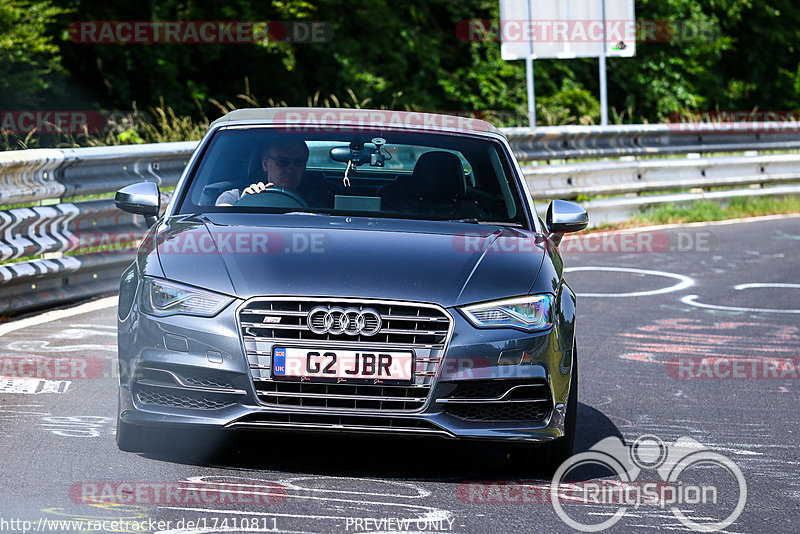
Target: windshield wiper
493	223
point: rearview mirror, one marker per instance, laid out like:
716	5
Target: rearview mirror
564	217
358	155
142	198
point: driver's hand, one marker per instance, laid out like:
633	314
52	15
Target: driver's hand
252	189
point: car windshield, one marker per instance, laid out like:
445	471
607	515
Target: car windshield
392	174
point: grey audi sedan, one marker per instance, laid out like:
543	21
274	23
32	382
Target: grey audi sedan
350	271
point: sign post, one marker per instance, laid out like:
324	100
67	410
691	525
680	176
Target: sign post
529	76
565	29
603	81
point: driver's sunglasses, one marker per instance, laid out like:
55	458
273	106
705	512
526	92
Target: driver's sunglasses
284	162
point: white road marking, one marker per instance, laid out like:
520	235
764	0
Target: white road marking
767	284
429	514
37	346
56	315
81	426
421	493
692	301
82	333
429	511
683	281
8	414
30	386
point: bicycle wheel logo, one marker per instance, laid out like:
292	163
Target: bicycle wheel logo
628	489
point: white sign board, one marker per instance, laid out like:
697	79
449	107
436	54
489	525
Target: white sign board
566	28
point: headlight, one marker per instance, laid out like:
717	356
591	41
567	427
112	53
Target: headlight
161	298
530	313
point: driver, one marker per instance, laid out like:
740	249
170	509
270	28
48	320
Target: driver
284	161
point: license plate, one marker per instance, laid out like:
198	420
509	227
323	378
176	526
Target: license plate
342	365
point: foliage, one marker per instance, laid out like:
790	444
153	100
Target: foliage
724	54
30	63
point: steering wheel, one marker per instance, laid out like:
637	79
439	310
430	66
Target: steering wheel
273	197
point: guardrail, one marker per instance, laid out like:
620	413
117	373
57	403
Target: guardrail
570	142
60	251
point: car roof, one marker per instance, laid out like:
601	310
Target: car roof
344	117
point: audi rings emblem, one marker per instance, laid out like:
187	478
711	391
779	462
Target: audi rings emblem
350	321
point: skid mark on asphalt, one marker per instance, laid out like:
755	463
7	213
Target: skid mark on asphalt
763	464
671	341
10	411
780	234
379	499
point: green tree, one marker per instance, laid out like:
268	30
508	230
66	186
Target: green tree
725	54
30	64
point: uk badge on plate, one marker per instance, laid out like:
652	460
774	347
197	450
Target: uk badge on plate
279	362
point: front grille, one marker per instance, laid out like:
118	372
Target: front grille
202	380
155	396
403	324
184	377
354	397
511	411
420	328
499	400
493	389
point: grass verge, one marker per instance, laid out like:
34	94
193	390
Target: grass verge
706	210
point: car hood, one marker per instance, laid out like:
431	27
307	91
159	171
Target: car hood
443	264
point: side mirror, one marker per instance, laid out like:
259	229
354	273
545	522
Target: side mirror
142	198
564	217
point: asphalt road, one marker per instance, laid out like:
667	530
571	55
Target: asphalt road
693	333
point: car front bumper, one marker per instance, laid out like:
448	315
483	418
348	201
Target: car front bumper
192	372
